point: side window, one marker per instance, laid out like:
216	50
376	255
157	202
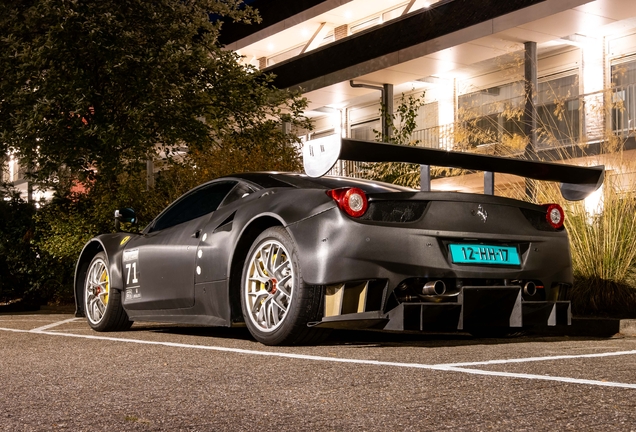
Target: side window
197	203
240	190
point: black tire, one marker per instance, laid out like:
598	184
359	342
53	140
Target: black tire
108	316
269	323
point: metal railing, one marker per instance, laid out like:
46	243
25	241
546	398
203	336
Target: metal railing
590	116
437	137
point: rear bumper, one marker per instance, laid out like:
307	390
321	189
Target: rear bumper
477	308
333	248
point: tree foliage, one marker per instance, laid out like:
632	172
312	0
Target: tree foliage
92	90
403	123
16	234
98	86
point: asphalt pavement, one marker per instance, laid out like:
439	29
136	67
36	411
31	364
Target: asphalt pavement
58	374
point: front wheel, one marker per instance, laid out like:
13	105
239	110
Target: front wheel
276	303
102	305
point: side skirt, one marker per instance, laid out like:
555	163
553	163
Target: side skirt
211	308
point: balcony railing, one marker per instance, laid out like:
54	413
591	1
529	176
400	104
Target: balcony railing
589	117
437	137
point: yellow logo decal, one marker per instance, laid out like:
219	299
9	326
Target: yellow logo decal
124	240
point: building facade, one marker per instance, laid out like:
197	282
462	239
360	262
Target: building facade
477	64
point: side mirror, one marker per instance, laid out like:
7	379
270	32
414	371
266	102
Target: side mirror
126	215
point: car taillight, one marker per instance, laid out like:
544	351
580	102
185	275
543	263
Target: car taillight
554	215
352	200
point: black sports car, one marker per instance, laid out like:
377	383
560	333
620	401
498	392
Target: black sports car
293	255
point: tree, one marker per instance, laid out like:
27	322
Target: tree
17	258
94	88
90	91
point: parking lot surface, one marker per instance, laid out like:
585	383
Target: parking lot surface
58	374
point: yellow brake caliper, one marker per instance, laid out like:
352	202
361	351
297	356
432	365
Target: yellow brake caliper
104	278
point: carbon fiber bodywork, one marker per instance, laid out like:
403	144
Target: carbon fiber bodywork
338	248
374	266
168	259
402	260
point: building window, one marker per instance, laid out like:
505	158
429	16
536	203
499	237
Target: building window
11	170
624	97
558	120
495	115
365	130
428	129
491	116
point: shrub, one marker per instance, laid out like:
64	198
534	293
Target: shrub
17	256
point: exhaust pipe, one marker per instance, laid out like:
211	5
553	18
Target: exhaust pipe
530	289
434	288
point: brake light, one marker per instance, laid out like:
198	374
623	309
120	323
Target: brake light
554	215
352	200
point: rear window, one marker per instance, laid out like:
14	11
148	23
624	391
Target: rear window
264	180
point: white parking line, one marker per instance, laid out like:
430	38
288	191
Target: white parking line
535	359
449	367
55	324
542	377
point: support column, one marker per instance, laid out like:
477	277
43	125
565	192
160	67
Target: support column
387	108
425	178
530	109
489	183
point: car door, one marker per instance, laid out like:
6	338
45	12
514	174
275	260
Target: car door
159	268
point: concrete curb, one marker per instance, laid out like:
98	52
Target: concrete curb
596	327
628	327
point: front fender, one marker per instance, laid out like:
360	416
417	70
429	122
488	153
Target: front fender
112	245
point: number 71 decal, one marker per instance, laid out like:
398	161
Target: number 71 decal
130	259
132	266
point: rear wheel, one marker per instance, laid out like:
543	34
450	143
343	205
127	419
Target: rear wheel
276	302
102	305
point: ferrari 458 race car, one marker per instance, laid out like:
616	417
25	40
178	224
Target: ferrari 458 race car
292	256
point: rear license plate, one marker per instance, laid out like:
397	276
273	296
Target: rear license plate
484	254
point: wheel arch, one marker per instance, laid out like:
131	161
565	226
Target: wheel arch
91	249
111	245
251	231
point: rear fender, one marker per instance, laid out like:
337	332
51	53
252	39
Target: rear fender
245	239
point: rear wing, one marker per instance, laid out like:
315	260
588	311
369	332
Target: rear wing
320	155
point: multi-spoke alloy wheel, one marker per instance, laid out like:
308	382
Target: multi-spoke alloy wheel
96	291
276	303
102	304
270	285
